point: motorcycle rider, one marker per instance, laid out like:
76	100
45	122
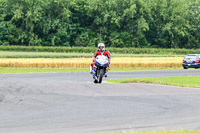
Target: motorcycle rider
100	51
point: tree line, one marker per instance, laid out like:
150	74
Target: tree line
117	23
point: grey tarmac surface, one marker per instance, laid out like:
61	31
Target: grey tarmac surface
71	103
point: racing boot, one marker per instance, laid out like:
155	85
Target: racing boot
106	73
91	70
94	74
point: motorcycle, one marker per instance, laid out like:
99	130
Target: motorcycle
100	68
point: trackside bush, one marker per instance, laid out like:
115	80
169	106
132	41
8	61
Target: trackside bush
93	49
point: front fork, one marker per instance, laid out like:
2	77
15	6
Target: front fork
95	72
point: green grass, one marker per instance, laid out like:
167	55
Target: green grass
183	81
142	69
45	70
182	131
37	70
14	54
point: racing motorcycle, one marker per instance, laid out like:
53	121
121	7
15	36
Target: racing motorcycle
100	68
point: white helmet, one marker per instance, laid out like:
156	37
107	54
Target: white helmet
102	46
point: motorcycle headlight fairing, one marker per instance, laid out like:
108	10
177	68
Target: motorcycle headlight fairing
97	64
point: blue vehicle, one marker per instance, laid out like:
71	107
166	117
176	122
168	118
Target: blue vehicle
191	61
101	67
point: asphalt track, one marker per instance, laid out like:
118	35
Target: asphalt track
71	103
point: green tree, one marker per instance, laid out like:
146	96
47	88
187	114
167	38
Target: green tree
118	23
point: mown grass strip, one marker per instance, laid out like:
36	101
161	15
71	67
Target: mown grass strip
181	131
182	81
14	54
52	70
141	69
37	70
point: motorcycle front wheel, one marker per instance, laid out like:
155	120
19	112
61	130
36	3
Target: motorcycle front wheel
101	75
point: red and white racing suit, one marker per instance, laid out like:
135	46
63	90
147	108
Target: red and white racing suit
99	52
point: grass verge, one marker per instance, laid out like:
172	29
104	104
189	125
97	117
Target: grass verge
20	54
46	70
182	131
39	70
141	69
182	81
